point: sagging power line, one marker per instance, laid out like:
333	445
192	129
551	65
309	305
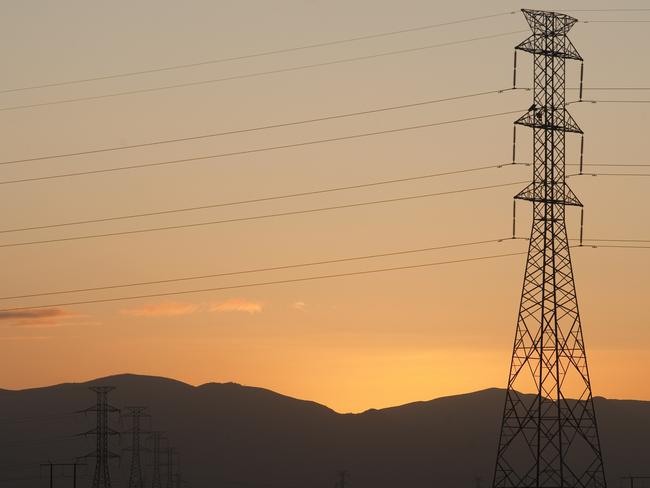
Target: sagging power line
306	193
594	243
259	54
257	217
257	150
259	73
259	270
266	283
306	121
259	199
259	128
291	280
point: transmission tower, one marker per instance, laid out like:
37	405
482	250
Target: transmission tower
136	414
171	452
157	451
343	478
549	438
102	433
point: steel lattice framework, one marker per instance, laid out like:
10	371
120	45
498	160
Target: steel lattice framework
102	433
549	438
135	476
156	480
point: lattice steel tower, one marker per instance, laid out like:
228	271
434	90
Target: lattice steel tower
157	451
102	433
135	476
549	438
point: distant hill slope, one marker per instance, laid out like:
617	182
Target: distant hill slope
230	435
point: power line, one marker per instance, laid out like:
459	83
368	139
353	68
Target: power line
266	283
608	88
598	246
319	277
256	200
617	240
299	122
258	150
258	128
259	73
258	54
616	101
606	10
613	165
628	175
257	270
258	217
615	21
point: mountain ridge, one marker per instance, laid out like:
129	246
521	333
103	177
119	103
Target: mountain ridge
230	434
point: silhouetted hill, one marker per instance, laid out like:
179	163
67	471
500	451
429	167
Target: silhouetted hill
230	435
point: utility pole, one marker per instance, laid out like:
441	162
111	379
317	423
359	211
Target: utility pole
136	414
63	465
102	433
549	434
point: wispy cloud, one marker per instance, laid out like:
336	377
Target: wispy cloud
299	306
236	305
41	318
165	309
35	314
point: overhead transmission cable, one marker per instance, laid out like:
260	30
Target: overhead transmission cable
257	150
266	283
258	217
305	279
613	165
610	246
259	54
626	175
255	270
260	73
299	122
622	21
257	200
260	128
618	240
305	193
616	101
605	10
607	88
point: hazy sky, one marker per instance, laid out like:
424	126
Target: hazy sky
350	343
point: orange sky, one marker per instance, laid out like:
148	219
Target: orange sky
350	343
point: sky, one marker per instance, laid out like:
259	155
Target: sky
350	343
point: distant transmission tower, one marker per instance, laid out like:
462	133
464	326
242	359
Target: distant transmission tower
157	451
549	438
343	478
171	452
102	453
136	414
